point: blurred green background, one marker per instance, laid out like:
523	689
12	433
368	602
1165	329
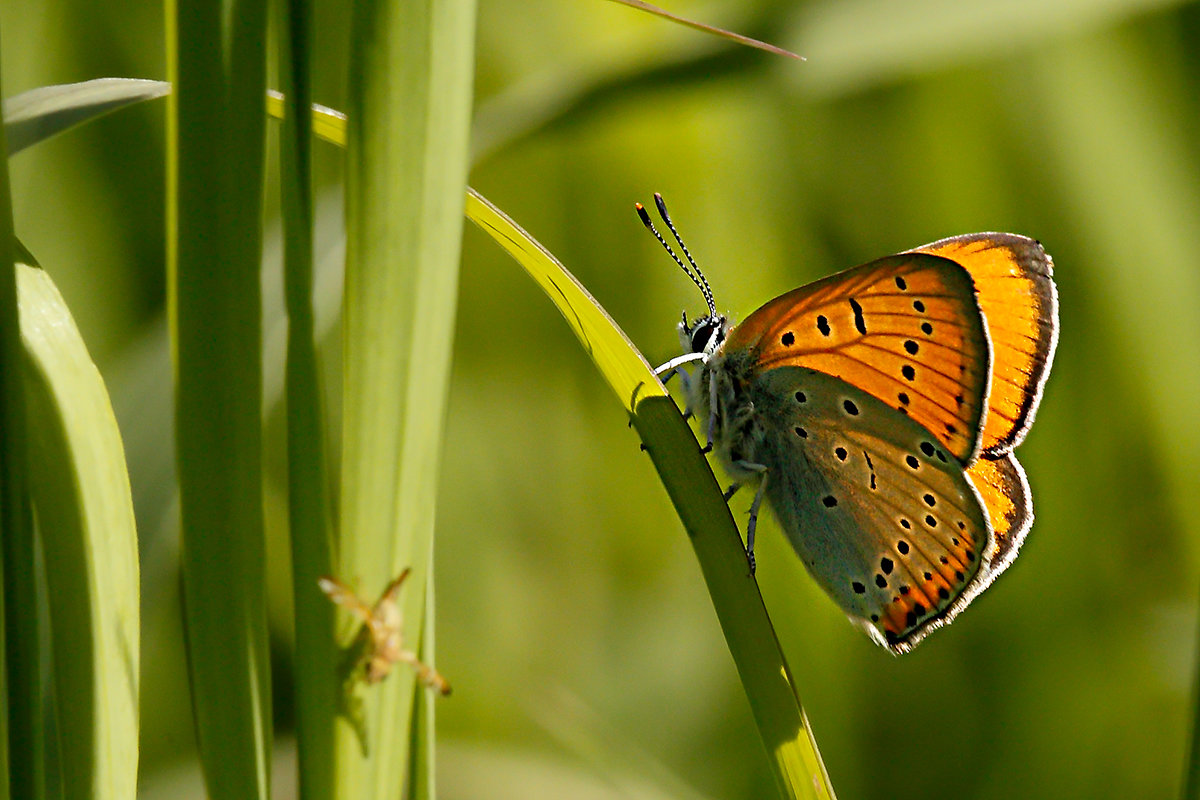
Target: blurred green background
571	616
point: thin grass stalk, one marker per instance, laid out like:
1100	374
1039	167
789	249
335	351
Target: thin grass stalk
409	108
317	683
217	63
24	767
1190	789
422	755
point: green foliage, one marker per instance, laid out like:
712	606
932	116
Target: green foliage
409	109
80	490
74	585
572	621
215	158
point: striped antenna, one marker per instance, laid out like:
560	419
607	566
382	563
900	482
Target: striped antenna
697	276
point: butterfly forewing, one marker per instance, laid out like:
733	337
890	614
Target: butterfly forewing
1014	278
906	329
880	512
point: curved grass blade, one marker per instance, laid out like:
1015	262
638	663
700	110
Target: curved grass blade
38	114
80	490
795	760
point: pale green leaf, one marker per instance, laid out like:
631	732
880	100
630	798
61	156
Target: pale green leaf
80	491
38	114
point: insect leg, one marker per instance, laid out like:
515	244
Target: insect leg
425	673
393	588
345	597
686	358
685	380
752	525
712	412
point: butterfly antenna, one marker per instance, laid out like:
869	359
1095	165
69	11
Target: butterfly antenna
703	282
700	282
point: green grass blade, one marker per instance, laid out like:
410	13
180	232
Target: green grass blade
410	100
693	489
38	114
16	525
317	684
80	488
1191	767
216	60
422	745
24	773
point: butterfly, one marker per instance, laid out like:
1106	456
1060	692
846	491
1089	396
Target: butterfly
877	411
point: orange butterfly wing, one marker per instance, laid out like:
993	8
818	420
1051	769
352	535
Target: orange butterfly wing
1014	279
906	329
1002	486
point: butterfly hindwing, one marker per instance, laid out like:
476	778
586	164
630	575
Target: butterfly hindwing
878	509
906	329
1014	278
1002	486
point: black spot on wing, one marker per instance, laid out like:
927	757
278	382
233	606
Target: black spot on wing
860	324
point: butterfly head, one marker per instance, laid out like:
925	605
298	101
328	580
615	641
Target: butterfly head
704	334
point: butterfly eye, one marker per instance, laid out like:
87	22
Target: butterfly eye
708	334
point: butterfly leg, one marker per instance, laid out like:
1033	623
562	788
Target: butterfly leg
685	382
712	413
752	525
754	506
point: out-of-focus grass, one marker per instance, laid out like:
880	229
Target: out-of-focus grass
217	65
80	489
406	168
21	725
559	571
